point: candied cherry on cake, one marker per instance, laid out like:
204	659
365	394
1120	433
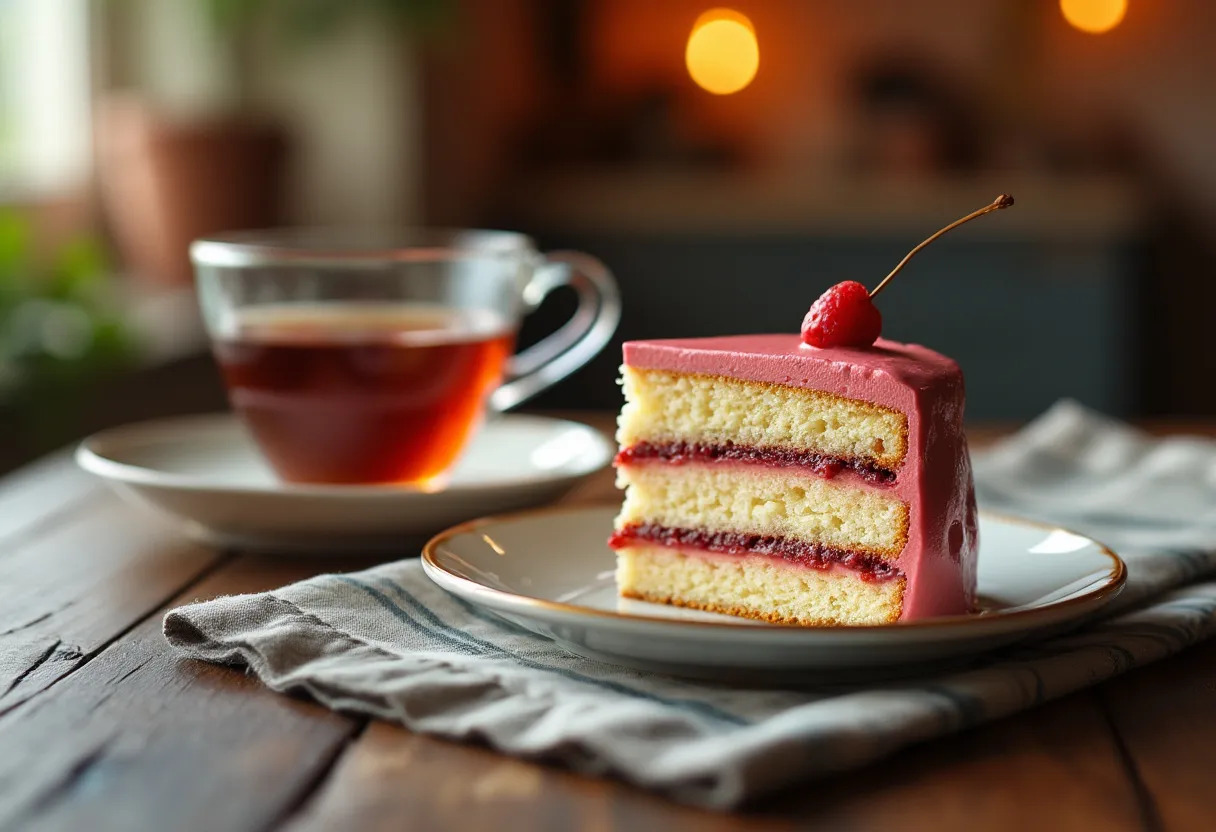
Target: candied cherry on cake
845	315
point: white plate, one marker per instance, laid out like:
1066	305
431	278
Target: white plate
551	572
206	471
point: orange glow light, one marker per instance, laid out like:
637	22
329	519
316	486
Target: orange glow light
722	54
1094	16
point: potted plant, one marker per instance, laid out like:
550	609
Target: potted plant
60	330
165	180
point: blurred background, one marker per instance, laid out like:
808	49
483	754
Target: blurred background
729	163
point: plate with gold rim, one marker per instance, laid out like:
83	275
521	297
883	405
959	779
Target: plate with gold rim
551	571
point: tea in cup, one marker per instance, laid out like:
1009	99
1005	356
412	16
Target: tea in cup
359	360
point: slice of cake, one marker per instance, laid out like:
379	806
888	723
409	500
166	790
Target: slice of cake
814	480
769	479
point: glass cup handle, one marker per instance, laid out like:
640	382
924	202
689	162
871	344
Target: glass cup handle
577	341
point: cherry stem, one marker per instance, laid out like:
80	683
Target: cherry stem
1002	201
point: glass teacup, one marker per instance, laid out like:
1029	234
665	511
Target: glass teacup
360	357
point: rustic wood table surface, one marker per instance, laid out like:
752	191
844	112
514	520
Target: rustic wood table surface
102	726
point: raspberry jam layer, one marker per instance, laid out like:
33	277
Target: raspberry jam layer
821	464
810	555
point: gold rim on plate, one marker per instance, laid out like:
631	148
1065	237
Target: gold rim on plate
1114	584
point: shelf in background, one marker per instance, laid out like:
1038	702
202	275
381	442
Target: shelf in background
1067	208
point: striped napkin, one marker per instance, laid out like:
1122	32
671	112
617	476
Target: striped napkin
388	643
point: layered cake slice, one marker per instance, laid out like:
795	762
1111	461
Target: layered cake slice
800	486
813	480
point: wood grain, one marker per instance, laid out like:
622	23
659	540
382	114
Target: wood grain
32	496
390	777
1165	716
107	729
68	591
1055	768
139	738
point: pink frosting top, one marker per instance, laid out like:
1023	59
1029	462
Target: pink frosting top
935	479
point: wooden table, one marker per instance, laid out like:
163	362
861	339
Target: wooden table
102	726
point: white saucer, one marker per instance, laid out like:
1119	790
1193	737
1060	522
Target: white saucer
551	572
206	472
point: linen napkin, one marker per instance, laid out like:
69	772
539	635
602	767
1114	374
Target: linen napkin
388	643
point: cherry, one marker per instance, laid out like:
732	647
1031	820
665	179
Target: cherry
845	315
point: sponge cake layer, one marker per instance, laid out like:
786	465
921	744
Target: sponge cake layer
664	407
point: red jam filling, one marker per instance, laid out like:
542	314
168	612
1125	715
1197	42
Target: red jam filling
821	464
868	567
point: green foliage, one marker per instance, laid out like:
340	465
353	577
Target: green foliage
310	21
230	16
59	330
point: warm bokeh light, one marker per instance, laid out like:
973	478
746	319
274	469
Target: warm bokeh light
1094	16
722	54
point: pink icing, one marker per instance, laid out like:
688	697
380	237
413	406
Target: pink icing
935	479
